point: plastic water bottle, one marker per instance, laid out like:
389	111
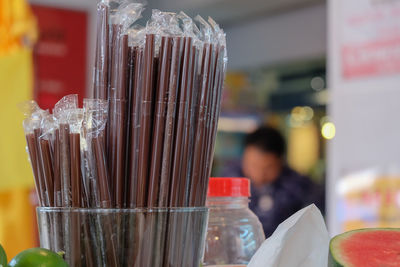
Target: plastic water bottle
234	231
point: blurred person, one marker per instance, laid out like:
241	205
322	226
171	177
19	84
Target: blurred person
277	191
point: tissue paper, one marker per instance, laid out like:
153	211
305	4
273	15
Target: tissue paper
300	241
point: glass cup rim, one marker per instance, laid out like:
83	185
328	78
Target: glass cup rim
124	210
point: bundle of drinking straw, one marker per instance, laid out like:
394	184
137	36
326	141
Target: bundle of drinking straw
146	138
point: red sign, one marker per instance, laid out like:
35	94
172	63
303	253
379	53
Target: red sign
371	59
369	38
60	54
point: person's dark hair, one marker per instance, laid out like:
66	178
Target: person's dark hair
268	140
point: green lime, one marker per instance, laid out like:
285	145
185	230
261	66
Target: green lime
37	257
3	257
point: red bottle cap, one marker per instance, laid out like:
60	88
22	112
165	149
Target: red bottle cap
228	187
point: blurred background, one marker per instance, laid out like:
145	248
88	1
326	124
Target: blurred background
325	73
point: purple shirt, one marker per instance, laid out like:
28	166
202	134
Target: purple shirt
274	203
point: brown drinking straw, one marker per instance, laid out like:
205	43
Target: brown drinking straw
102	173
134	238
130	85
170	227
88	231
181	226
177	224
159	120
76	178
57	218
156	235
149	82
220	82
184	186
118	130
100	86
34	156
76	195
119	123
213	121
130	96
207	114
200	125
57	171
88	242
104	197
115	31
65	164
37	133
145	121
45	152
170	123
134	128
180	138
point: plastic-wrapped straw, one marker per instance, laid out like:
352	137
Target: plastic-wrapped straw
182	116
75	118
46	148
118	121
60	110
100	73
135	129
145	121
120	81
170	123
94	123
159	120
32	127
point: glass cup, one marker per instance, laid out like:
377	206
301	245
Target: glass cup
125	237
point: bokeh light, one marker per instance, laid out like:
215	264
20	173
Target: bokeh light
328	130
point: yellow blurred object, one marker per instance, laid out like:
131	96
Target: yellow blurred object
17	26
16	83
303	147
17	221
374	204
17	35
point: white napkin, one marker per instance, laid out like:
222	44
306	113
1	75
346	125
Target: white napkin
300	241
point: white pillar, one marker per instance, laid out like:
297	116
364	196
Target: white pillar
364	83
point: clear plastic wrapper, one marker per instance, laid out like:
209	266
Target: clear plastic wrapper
120	82
60	111
46	150
100	70
74	121
97	183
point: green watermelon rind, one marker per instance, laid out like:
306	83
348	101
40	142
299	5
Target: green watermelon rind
333	260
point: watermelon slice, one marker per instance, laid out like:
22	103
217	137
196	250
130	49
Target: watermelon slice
373	247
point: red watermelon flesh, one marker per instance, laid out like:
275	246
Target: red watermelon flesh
375	247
